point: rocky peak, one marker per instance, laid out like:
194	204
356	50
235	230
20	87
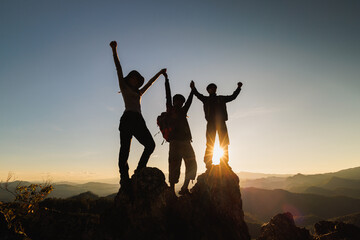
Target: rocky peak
282	227
213	210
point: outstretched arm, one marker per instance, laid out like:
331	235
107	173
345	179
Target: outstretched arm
168	93
151	81
188	101
235	93
122	83
195	91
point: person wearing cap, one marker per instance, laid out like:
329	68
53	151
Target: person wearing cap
216	117
180	139
132	122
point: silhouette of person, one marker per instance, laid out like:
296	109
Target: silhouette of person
180	139
216	117
132	122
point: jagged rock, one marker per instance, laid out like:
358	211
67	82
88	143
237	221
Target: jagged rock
217	205
326	230
282	227
141	209
213	210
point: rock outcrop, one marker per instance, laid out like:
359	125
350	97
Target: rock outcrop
217	206
326	230
282	227
141	210
213	210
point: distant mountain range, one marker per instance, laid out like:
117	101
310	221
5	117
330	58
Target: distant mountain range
67	190
342	183
310	198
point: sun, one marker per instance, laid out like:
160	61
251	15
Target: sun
218	152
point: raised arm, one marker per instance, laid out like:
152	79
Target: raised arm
235	93
168	93
188	101
195	91
151	81
122	83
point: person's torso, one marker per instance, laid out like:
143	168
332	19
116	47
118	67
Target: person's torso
132	100
181	128
215	109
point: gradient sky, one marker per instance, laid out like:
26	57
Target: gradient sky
299	110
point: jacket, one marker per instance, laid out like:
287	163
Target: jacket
215	106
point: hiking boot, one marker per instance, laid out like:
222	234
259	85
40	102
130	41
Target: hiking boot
184	191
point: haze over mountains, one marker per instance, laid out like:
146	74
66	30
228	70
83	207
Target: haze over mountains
342	183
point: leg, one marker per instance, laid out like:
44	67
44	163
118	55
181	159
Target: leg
143	135
224	141
174	162
190	164
210	141
184	189
125	142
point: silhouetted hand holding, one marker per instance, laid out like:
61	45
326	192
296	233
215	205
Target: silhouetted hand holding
240	84
192	84
163	72
113	44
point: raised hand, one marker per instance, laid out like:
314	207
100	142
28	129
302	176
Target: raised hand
113	44
163	71
239	84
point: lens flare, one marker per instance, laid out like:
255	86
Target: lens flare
218	152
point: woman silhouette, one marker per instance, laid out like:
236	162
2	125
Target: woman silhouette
132	123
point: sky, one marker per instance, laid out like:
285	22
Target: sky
298	111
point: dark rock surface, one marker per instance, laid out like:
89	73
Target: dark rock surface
217	206
282	227
148	209
326	230
213	210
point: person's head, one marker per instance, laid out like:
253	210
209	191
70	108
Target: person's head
178	100
134	79
211	88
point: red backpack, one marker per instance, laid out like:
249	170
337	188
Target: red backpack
165	123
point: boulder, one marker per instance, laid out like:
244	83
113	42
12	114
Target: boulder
213	209
326	230
282	227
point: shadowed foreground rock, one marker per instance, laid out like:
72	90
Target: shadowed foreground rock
212	211
326	230
217	206
282	227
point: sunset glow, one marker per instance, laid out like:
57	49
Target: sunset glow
218	152
298	110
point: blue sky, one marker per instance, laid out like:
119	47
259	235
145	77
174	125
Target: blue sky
298	111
